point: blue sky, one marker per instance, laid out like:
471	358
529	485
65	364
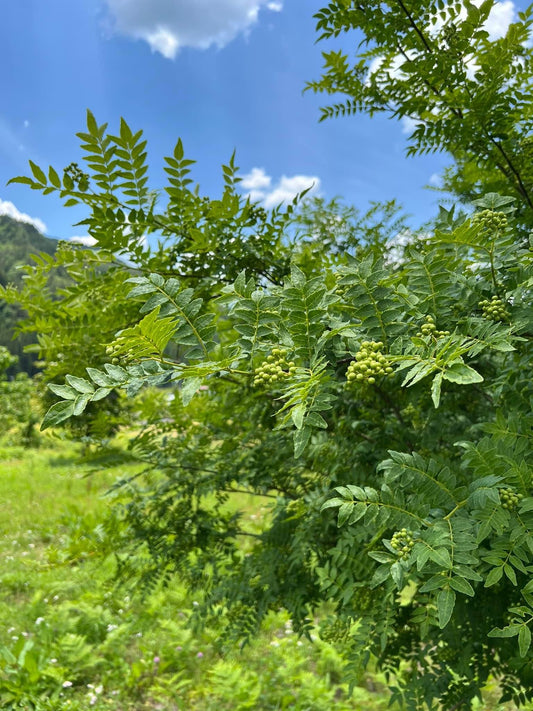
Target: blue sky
220	74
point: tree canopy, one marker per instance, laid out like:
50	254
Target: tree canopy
434	64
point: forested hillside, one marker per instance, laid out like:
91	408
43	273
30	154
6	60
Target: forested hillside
18	241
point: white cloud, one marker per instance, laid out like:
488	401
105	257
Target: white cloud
408	124
256	179
394	70
257	183
397	245
501	16
436	180
288	188
169	25
26	123
7	208
164	42
86	240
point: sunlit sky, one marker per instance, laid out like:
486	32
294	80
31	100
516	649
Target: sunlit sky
220	74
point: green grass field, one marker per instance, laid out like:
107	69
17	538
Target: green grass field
69	639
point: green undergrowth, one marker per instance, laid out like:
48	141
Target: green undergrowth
70	639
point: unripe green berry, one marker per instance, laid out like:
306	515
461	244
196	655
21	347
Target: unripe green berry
368	363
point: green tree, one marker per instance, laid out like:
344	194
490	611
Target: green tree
375	402
433	63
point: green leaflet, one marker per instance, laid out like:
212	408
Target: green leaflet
304	308
462	374
57	413
445	605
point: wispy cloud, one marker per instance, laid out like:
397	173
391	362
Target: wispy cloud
169	25
501	16
259	187
9	209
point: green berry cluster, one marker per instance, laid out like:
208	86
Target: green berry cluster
78	177
339	290
274	368
117	354
368	364
428	328
402	542
510	499
336	631
490	221
495	309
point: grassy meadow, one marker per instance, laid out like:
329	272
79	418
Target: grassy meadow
69	639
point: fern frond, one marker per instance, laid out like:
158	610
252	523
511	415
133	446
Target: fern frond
254	314
388	509
307	398
429	279
100	155
78	392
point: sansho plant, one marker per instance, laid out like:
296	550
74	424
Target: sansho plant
403	498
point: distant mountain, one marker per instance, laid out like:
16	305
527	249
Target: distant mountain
18	241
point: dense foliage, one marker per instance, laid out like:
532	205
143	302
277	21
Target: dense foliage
434	64
17	416
375	394
18	242
286	391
